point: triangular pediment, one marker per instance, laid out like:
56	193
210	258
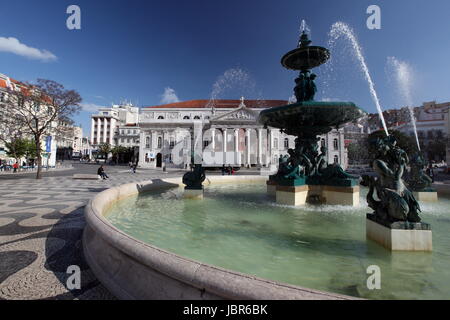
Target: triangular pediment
240	114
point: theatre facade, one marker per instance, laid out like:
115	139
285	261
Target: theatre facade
221	132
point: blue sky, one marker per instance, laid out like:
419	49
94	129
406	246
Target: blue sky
135	49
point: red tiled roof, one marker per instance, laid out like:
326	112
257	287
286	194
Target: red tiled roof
3	83
223	104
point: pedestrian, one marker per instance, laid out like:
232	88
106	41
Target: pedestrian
134	167
223	170
230	170
430	171
101	172
15	166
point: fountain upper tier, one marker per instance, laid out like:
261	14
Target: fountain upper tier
308	118
305	57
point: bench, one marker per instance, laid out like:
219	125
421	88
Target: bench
82	176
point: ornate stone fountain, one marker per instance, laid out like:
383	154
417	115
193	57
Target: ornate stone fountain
305	175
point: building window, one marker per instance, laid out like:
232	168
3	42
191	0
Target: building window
286	143
186	117
159	142
147	142
196	118
275	143
171	143
335	144
205	143
336	159
160	118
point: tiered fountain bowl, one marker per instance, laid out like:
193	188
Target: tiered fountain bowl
309	118
306	119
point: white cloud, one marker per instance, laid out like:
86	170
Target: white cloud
90	107
169	96
13	45
330	99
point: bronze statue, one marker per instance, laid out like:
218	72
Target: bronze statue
195	178
418	179
396	202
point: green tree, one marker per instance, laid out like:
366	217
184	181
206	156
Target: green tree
404	141
104	149
31	151
117	150
436	150
358	151
16	148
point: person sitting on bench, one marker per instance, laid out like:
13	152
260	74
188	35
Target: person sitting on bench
101	173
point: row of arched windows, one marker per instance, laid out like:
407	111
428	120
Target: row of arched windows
185	117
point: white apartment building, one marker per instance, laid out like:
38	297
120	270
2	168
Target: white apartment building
48	144
128	135
105	124
77	144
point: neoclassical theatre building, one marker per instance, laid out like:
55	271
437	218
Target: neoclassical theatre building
224	132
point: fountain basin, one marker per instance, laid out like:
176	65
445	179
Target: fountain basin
313	117
133	269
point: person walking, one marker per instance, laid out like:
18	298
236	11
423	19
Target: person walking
15	166
430	172
134	167
101	172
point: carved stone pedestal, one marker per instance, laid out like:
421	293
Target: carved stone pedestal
400	236
317	194
291	195
426	196
271	187
196	194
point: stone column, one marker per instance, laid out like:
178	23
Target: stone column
112	128
269	146
236	147
142	150
105	137
92	130
259	146
224	149
213	139
99	135
247	132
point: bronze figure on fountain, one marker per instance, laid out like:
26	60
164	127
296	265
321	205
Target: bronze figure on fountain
396	202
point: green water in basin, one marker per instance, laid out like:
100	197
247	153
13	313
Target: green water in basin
239	227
